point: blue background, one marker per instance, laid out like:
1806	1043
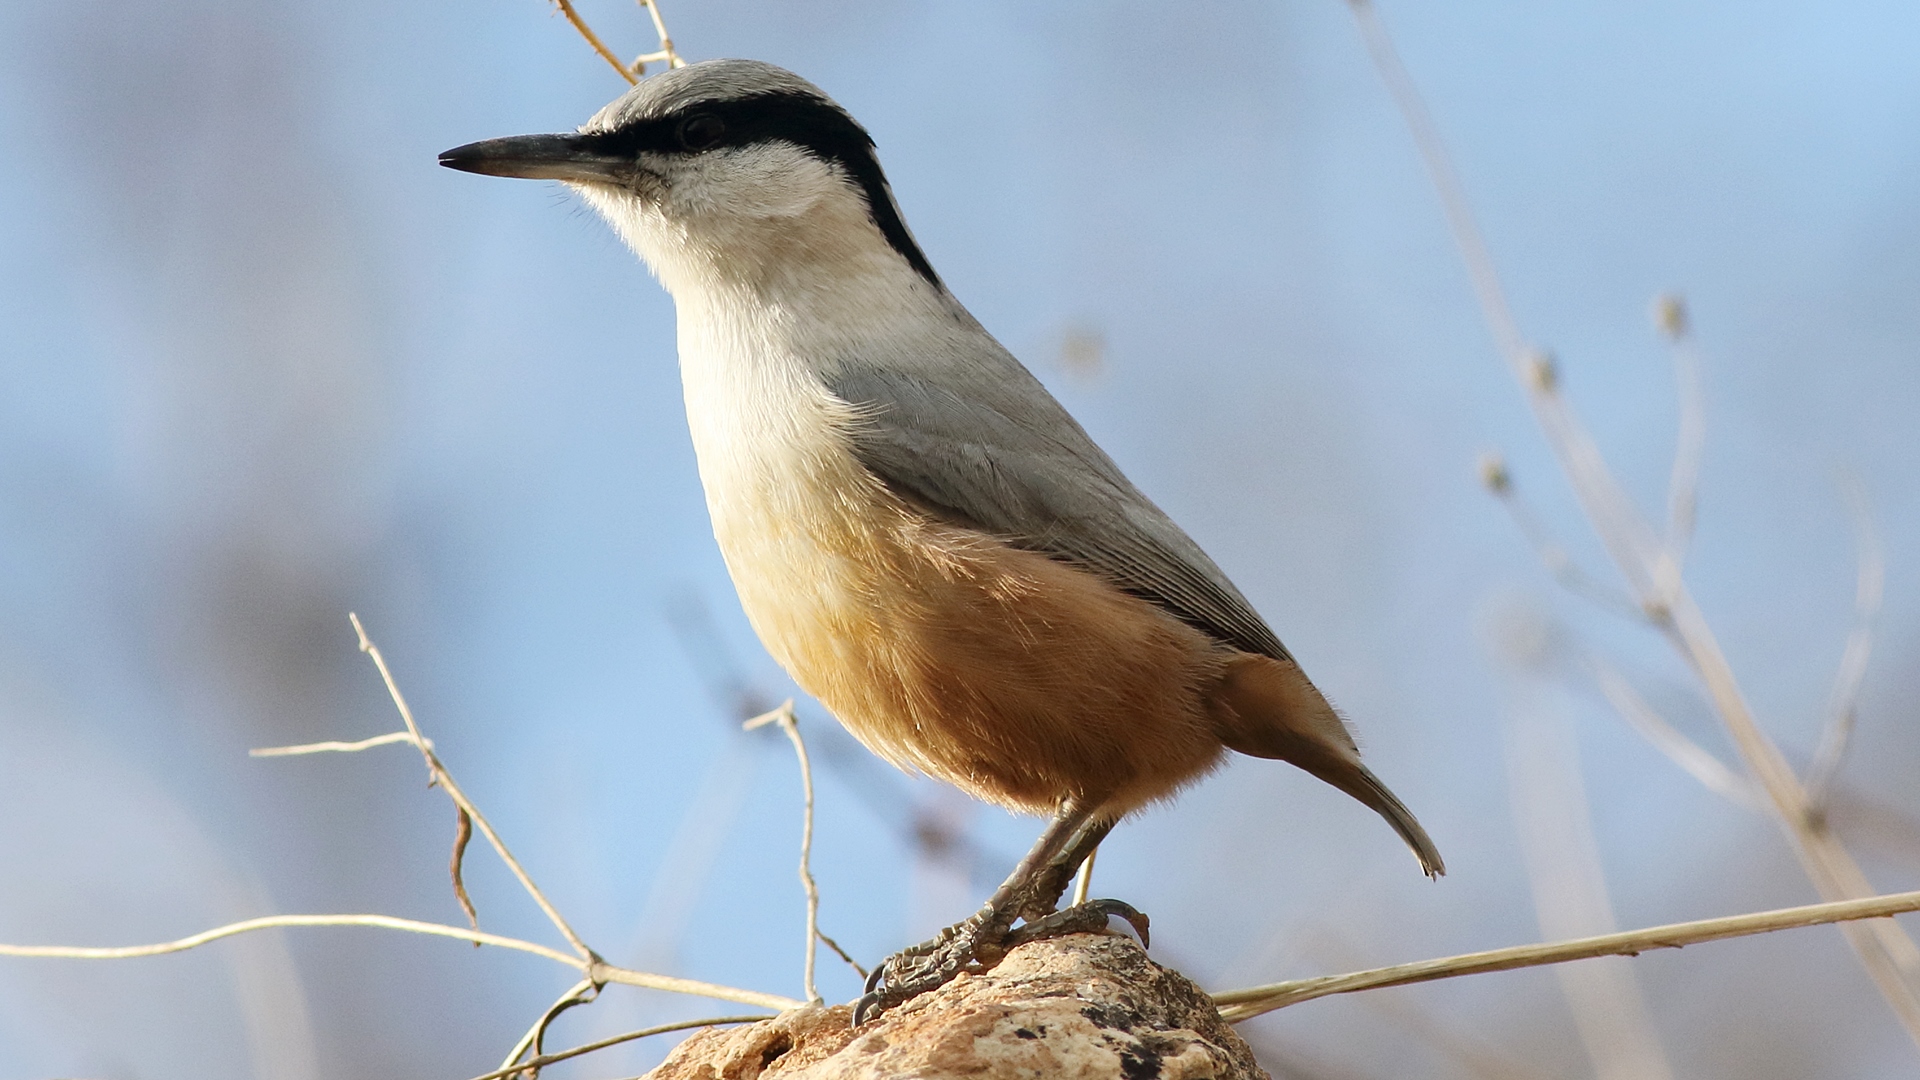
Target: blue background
262	362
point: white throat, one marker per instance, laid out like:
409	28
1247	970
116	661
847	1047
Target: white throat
772	296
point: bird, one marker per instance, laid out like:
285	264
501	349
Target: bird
918	531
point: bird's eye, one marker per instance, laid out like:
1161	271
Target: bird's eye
701	131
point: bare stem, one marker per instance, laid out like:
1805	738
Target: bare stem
1238	1005
785	718
272	922
667	51
856	965
681	1025
607	973
1569	887
1690	436
579	992
1869	586
388	739
1712	773
1551	553
595	970
593	39
1083	881
438	774
1889	956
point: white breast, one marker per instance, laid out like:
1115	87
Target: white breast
769	300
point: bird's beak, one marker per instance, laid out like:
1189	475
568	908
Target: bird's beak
538	157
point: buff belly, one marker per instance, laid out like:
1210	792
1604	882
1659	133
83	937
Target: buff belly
1016	677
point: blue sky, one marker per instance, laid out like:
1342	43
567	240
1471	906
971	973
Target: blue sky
266	363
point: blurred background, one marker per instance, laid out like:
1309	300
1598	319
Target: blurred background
265	363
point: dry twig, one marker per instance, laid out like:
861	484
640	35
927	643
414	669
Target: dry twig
334	747
437	775
596	970
1690	438
1869	585
1888	954
630	72
538	1063
784	717
456	864
1712	773
580	26
1447	1036
666	52
1552	554
856	965
1238	1005
577	994
1569	887
274	922
1083	881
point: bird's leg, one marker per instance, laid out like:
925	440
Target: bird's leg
1042	921
1050	883
1031	892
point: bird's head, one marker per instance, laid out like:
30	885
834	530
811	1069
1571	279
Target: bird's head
725	171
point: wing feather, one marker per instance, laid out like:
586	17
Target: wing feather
996	452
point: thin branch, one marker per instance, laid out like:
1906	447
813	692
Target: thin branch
1083	881
1447	1036
666	52
593	39
588	961
1888	954
876	786
1712	773
456	864
856	965
1533	367
594	969
1569	887
1869	586
273	922
1498	481
630	72
785	718
1690	435
607	973
438	774
548	1059
1238	1005
531	1040
388	739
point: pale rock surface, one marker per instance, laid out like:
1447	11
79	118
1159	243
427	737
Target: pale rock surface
1085	1007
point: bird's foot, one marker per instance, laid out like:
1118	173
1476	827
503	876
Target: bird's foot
933	963
1088	918
978	943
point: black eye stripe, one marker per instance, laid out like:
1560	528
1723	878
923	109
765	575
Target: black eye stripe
701	131
803	120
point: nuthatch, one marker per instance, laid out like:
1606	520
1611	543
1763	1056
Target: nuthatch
918	531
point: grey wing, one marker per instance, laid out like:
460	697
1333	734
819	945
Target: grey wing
997	453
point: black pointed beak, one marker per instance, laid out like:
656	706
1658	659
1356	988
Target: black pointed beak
538	157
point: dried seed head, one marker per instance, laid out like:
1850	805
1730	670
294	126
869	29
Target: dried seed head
1543	372
1494	474
1670	315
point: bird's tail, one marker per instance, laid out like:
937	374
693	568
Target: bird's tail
1358	781
1266	707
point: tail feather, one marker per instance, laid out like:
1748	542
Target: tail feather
1358	781
1266	708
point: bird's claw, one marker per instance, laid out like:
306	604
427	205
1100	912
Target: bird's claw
1088	918
979	941
929	965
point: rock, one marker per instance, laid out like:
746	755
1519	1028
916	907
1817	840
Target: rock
1087	1007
